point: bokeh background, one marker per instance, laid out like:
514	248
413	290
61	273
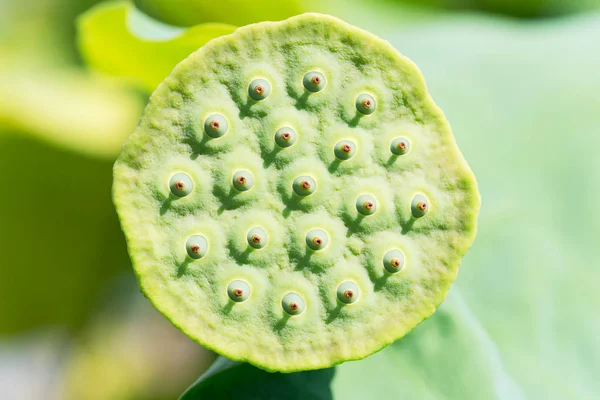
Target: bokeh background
519	81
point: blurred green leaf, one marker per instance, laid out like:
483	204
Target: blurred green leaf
229	380
235	12
116	39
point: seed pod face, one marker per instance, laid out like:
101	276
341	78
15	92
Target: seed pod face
268	235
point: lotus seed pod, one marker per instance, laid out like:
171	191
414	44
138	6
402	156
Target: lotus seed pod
257	238
181	185
399	146
243	180
215	126
196	246
259	89
238	291
322	221
365	104
293	304
314	81
348	292
393	261
285	137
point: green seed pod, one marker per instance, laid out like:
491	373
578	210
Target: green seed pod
365	104
285	137
348	292
293	304
400	146
242	181
393	261
304	185
181	185
238	291
304	197
215	126
257	238
366	204
344	149
314	81
196	246
259	89
317	239
419	206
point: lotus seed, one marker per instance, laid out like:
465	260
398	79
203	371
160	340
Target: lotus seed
393	261
317	239
181	185
285	137
304	185
196	246
348	292
238	291
243	180
366	204
344	149
365	104
259	89
314	81
400	146
293	304
419	206
257	238
215	126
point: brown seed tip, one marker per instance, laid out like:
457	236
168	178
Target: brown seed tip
422	205
286	136
214	124
401	146
238	292
395	262
179	185
241	180
256	238
367	103
305	185
259	89
317	241
294	306
346	148
348	294
368	205
195	249
316	80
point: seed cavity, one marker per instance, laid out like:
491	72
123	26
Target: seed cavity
243	181
314	81
304	185
400	146
293	304
259	89
257	237
419	206
344	149
181	185
238	291
365	104
348	292
196	246
366	204
215	126
317	239
285	137
393	261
